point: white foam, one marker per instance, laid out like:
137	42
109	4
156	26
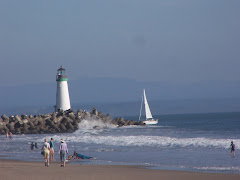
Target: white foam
94	124
153	141
94	132
208	168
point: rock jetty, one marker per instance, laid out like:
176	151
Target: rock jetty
59	122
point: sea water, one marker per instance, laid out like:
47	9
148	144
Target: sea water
187	142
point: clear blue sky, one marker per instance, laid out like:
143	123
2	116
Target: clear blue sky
193	45
176	49
177	41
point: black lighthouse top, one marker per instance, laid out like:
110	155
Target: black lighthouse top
61	76
61	70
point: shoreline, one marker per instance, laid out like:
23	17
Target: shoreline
143	166
21	170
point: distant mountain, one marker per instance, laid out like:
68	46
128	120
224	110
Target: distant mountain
167	107
119	96
132	108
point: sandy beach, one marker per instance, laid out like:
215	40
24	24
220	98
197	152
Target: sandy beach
21	170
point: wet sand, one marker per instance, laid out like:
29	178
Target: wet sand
21	170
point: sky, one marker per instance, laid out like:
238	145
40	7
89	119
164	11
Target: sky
177	42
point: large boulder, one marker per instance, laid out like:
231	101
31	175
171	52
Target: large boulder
2	126
94	111
108	117
11	119
75	123
71	115
86	116
48	121
79	112
6	121
58	120
49	115
31	116
24	116
4	117
25	121
100	114
69	126
31	126
17	131
17	118
60	113
54	115
10	126
64	120
62	127
35	122
132	122
17	125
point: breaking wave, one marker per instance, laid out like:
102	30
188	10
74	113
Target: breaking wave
100	133
209	168
94	124
152	141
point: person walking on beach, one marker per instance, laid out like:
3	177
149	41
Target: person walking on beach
51	150
232	147
62	151
46	151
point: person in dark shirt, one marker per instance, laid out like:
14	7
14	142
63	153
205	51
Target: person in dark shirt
36	146
51	150
232	147
32	146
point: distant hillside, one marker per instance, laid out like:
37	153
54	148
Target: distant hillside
114	90
168	107
121	96
132	108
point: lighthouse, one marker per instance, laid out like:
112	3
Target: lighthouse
62	96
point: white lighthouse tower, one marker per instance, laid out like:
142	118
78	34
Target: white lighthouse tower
62	97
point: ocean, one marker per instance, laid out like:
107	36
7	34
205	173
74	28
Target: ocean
184	142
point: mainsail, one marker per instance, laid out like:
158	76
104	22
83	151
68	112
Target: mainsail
147	109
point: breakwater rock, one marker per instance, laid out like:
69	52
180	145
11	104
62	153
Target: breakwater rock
59	122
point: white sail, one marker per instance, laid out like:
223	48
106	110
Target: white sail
147	109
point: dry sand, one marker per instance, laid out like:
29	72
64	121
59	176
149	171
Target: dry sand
20	170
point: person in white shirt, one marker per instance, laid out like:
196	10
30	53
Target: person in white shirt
46	151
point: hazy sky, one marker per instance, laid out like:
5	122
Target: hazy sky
176	41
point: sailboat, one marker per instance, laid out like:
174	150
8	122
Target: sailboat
149	119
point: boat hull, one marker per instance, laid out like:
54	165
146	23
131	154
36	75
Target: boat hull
151	122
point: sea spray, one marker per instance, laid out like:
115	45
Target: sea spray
95	124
